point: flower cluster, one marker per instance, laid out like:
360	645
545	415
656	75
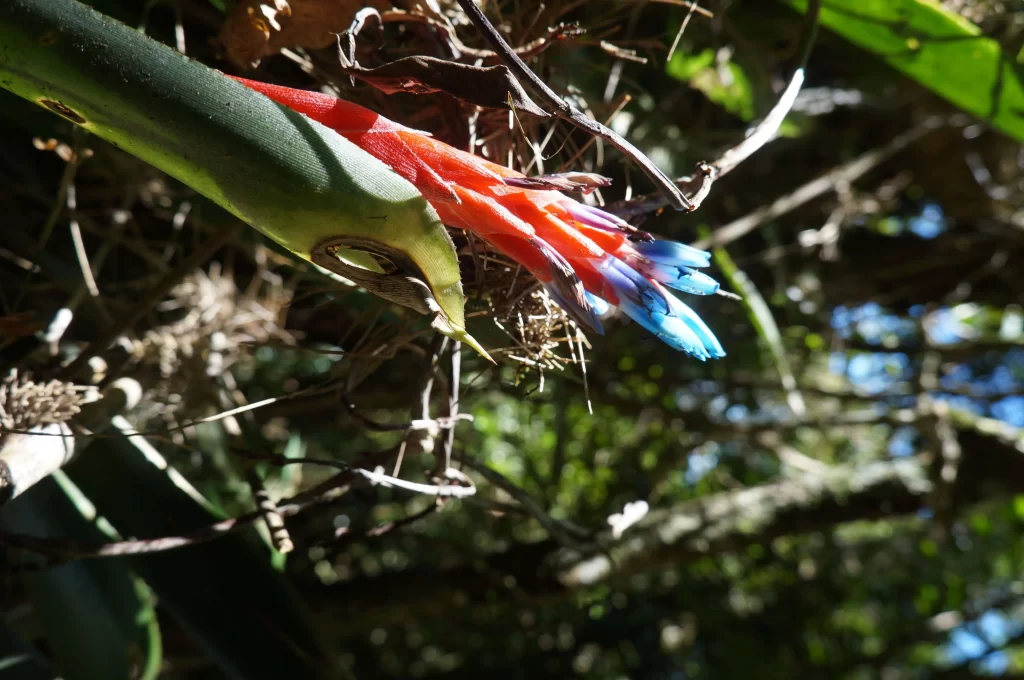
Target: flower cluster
587	259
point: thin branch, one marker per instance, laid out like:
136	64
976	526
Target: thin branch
388	527
345	534
769	127
557	529
459	50
700	183
279	535
79	244
453	401
309	391
442	490
155	294
282	461
733	519
67	177
566	112
623	101
61	551
692	6
766	129
848	172
679	34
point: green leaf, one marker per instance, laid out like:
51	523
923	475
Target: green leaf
99	621
761	317
225	593
19	660
298	182
726	85
939	49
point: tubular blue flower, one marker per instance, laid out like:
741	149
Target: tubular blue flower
697	325
674	254
681	278
600	307
669	262
660	312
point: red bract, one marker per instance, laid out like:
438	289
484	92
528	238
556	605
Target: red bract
576	251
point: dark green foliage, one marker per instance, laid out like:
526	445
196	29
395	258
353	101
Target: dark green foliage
863	521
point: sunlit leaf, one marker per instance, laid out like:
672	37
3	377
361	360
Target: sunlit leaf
939	49
726	84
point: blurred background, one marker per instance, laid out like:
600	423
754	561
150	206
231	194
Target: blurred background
842	496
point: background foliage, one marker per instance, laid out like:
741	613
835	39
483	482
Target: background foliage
841	497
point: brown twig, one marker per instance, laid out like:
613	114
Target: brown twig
281	461
679	33
453	401
701	182
67	177
345	535
458	49
279	535
565	111
848	172
62	551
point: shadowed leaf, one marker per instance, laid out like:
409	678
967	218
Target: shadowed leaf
232	601
98	624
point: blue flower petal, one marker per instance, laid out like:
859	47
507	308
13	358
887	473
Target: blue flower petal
659	312
630	285
600	306
700	329
586	317
670	329
682	278
673	254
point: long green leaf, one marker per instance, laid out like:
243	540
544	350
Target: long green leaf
19	660
225	593
763	321
97	619
290	177
937	48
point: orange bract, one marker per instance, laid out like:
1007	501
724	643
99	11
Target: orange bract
578	252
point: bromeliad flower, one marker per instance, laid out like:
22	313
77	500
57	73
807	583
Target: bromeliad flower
584	256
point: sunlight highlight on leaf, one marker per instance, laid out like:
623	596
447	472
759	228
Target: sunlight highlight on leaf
939	49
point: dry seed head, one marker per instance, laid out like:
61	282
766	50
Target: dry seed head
25	404
216	324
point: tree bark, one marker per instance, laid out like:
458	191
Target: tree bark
992	467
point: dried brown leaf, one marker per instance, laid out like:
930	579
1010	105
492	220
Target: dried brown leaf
584	182
492	87
258	28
